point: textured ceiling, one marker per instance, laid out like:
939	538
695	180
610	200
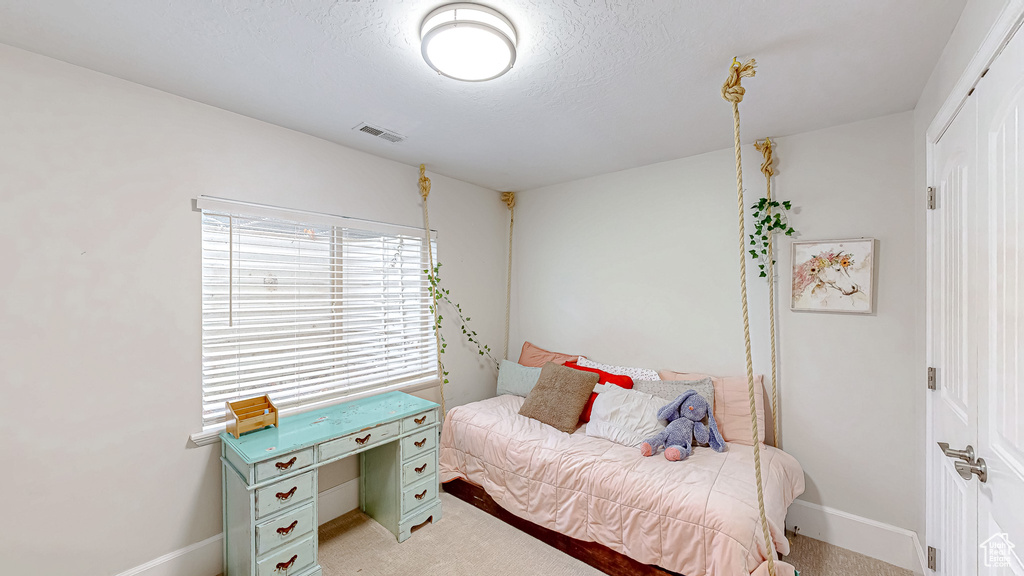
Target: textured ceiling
598	86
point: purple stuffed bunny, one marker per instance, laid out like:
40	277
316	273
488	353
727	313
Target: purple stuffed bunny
685	428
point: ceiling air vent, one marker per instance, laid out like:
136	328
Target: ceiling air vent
380	133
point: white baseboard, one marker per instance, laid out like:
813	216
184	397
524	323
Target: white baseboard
336	501
202	559
885	542
206	558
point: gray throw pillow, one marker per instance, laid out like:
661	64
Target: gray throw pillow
559	396
516	379
671	389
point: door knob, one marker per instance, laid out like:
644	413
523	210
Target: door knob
967	454
967	469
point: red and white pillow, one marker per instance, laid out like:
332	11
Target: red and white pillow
619	380
633	373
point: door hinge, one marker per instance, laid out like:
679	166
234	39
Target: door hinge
932	553
931	378
931	198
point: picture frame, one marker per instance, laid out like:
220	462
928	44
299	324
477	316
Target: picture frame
835	276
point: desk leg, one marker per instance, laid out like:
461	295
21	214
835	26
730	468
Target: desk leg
381	485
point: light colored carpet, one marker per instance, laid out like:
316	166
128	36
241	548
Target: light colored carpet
466	542
816	558
470	542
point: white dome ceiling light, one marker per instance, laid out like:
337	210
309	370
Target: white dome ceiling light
468	42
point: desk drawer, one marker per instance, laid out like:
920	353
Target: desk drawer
358	441
283	464
418	421
418	469
290	560
284	529
283	494
420	443
419	494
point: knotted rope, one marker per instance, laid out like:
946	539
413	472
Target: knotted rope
424	192
509	198
733	92
766	148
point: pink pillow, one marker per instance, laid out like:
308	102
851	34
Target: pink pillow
732	404
537	357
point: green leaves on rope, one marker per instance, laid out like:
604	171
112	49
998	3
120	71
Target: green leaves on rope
769	218
439	294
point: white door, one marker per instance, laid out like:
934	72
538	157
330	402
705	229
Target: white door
976	329
1000	96
952	318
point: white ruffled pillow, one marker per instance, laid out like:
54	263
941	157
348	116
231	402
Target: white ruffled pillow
634	373
625	417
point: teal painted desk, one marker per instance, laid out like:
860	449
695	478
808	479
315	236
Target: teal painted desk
270	479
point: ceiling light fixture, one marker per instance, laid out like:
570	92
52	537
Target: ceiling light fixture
468	42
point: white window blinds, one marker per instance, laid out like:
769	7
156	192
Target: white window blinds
309	308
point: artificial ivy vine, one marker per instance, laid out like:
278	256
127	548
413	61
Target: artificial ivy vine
438	294
769	218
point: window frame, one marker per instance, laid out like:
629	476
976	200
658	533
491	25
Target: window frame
211	434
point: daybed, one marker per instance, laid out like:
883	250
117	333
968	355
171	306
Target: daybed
694	517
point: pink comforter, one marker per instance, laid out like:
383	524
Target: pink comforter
695	517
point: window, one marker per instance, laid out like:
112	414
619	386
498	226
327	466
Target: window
310	308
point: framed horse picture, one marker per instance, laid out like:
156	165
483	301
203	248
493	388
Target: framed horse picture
834	276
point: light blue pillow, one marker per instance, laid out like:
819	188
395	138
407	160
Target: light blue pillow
516	379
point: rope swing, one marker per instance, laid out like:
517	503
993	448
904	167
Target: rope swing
733	92
509	198
424	192
766	148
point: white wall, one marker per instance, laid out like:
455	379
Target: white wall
100	355
640	267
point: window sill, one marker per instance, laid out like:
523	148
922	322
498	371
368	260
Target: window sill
212	436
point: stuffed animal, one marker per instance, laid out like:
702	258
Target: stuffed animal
685	428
